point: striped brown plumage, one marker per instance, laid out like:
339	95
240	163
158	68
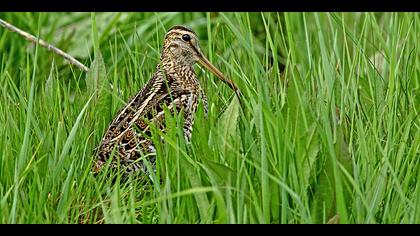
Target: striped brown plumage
174	85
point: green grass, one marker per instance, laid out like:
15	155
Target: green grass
329	131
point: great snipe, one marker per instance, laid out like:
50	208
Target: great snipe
174	85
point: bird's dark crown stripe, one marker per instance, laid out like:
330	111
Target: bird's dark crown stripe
179	27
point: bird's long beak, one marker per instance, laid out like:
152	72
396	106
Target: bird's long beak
207	64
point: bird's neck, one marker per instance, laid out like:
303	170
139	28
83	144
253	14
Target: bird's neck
176	66
179	75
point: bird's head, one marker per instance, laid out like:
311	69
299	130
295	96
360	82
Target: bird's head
181	45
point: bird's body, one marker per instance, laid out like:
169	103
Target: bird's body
175	86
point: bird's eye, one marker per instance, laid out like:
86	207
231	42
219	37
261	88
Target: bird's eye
186	37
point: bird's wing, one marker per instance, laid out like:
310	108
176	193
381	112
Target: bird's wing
137	105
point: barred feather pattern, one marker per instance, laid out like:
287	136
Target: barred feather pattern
127	139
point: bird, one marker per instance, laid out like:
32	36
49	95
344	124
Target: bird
174	85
